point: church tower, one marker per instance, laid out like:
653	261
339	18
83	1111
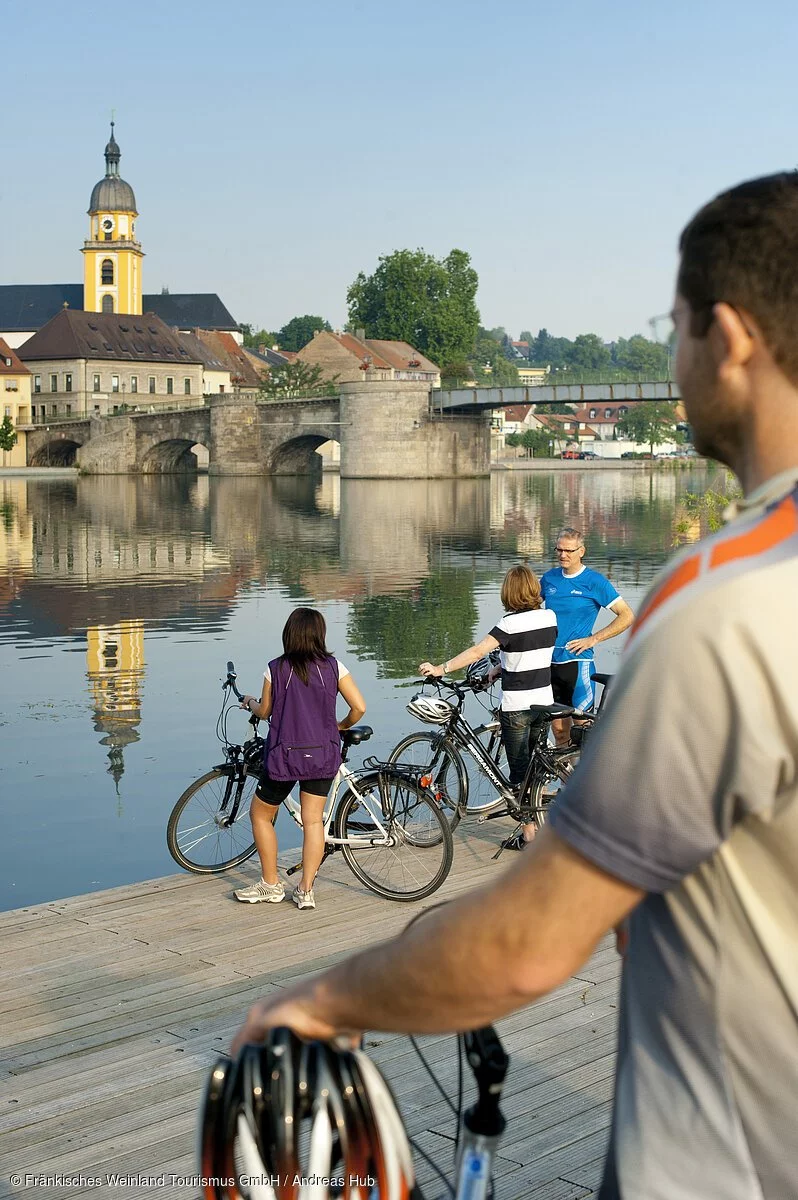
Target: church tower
111	255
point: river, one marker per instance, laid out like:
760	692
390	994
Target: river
121	599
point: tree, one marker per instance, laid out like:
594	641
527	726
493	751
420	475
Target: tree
8	438
297	379
416	298
650	422
257	337
299	331
641	356
489	362
590	352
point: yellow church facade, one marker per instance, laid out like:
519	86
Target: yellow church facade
111	254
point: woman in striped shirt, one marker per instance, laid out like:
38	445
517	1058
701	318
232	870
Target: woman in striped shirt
525	636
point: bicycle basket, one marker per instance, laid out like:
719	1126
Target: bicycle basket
431	709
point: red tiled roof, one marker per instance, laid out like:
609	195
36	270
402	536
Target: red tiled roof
516	412
401	355
15	366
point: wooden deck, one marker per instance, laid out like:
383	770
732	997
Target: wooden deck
115	1004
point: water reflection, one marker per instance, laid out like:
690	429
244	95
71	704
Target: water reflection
141	578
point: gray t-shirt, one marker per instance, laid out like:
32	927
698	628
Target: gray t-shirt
689	790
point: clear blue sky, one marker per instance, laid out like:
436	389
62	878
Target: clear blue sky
277	149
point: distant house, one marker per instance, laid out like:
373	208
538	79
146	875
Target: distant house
15	380
89	363
244	373
216	377
603	416
520	350
531	376
353	357
515	418
565	428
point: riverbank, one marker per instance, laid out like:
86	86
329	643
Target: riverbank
39	472
596	464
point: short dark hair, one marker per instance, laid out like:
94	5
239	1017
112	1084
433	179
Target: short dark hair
304	639
742	248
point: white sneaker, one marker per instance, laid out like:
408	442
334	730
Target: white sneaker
261	893
303	899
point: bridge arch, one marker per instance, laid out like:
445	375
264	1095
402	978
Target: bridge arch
298	455
170	456
57	452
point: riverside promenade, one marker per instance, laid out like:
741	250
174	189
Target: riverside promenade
116	1003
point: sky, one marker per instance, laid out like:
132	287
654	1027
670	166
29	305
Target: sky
276	151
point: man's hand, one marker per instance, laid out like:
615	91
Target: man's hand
293	1011
578	645
426	668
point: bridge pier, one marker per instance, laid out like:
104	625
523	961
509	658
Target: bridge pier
387	432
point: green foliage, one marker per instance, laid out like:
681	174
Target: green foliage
257	337
489	363
641	356
711	505
538	443
299	331
436	621
297	379
650	422
589	351
416	298
8	438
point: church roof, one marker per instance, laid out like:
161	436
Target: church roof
27	306
191	310
113	336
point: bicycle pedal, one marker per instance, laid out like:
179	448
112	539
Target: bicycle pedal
293	870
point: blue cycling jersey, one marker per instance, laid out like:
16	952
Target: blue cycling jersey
577	600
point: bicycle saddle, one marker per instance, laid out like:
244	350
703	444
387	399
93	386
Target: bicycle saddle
600	677
356	735
552	710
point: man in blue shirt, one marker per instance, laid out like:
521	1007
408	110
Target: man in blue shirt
577	594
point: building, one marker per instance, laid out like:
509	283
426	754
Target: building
603	417
243	372
112	274
15	381
566	430
532	376
353	357
93	364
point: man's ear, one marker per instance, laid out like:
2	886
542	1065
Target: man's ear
731	338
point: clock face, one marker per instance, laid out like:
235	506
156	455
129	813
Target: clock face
108	224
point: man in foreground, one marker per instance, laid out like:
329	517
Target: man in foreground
683	815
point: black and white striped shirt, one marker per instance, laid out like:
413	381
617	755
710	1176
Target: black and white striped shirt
527	642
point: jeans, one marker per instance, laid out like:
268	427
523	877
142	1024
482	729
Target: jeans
519	734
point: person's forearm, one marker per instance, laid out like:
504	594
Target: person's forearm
464	659
351	718
621	622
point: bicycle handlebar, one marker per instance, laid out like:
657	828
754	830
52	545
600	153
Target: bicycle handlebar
230	681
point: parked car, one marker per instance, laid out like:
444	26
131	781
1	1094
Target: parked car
570	454
588	454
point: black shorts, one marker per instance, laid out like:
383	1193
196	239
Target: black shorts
274	791
571	684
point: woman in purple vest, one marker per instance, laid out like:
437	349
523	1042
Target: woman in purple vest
300	689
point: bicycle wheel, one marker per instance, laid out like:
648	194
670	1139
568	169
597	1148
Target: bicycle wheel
197	835
483	794
439	758
547	785
418	854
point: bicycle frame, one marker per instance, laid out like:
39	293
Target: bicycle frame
347	778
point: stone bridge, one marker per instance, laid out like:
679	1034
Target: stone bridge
385	430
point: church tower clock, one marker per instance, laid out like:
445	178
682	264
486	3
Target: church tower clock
111	255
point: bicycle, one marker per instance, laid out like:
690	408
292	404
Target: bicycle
382	818
444	755
264	1129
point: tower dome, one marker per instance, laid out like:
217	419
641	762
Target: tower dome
112	194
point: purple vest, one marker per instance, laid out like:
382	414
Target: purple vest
304	741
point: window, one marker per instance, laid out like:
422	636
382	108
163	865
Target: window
69	410
134	383
622	410
37	383
114	383
593	414
607	414
96	383
8	410
68	382
54	410
187	386
96	408
108	235
53	383
12	385
108	304
151	385
221	388
33	412
170	385
107	272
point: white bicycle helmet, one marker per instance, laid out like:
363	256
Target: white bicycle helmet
293	1120
431	709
